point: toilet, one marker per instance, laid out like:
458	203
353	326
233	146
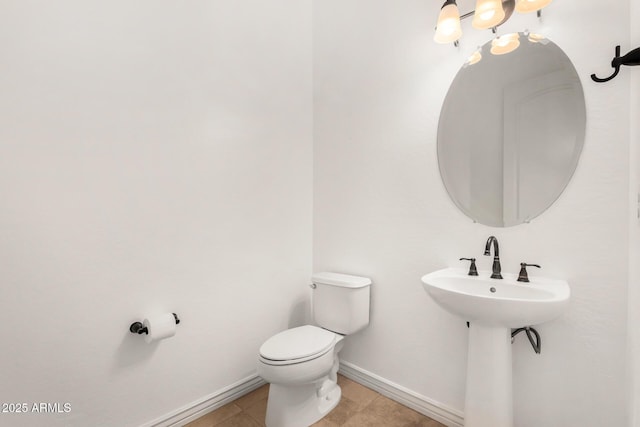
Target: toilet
301	364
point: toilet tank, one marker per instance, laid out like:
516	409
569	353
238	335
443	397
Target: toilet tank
341	302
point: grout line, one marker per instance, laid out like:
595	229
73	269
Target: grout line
429	407
381	387
201	407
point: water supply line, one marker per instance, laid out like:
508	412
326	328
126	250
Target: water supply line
536	344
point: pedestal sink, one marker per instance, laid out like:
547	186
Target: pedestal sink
493	307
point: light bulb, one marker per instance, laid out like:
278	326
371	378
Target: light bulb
474	58
505	44
537	38
526	6
448	29
488	14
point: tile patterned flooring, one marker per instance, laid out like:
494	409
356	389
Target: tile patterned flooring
359	407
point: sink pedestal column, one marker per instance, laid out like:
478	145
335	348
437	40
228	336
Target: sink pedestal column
488	400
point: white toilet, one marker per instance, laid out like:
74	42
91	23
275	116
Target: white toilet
302	363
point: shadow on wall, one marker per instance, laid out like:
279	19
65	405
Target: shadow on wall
133	350
300	314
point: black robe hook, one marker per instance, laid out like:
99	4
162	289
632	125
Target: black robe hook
631	58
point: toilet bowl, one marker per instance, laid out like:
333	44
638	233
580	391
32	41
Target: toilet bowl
301	363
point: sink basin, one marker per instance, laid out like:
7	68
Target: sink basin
495	302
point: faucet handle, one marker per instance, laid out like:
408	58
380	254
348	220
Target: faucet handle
473	271
523	276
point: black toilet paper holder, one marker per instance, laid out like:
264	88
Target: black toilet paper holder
139	328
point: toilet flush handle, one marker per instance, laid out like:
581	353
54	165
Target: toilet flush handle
312	286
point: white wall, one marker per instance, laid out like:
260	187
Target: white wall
634	218
154	155
380	209
157	156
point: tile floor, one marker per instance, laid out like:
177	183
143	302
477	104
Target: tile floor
359	407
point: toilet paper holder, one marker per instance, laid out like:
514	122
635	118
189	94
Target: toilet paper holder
139	328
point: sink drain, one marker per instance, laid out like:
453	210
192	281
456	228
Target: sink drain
492	289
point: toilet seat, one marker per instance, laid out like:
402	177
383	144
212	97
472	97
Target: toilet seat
297	345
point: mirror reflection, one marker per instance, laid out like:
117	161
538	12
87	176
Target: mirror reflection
511	130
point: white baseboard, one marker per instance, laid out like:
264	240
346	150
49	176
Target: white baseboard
200	407
429	407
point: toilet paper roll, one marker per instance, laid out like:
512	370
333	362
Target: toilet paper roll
160	327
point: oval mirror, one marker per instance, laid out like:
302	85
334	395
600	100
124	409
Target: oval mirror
511	131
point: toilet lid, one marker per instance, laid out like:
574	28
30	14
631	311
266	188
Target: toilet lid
296	343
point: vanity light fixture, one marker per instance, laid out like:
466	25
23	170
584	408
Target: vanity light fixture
536	38
448	29
526	6
487	14
505	44
474	58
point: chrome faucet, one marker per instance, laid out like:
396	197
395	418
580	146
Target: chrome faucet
496	256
